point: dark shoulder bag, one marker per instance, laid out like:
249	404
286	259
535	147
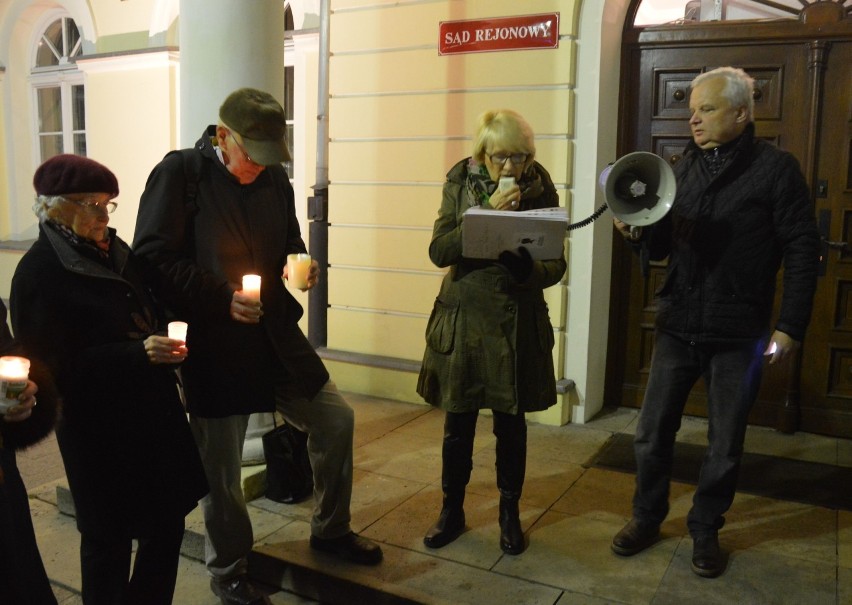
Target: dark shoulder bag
289	478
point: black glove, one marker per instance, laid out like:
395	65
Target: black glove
519	265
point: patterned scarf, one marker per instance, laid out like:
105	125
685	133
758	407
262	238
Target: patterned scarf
102	247
480	187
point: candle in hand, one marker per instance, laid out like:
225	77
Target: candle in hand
177	330
251	286
298	269
14	372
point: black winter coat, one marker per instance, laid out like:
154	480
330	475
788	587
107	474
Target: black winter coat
726	237
201	251
16	436
23	580
131	461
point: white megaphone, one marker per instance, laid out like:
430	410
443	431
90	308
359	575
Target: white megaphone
639	188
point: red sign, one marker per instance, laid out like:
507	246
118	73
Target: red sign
500	33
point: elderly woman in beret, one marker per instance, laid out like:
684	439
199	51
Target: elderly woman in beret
489	338
80	303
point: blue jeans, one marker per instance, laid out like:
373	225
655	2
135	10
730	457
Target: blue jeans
732	374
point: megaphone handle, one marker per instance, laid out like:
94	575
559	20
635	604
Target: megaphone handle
635	232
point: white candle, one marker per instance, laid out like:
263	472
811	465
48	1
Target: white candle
251	286
177	330
298	268
14	372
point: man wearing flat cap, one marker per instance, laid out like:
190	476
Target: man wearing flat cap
208	216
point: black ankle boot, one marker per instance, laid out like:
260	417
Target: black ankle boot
511	534
449	526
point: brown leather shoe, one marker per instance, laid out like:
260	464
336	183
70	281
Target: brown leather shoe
707	559
350	547
634	538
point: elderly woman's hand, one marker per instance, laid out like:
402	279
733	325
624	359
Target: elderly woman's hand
162	349
507	199
24	409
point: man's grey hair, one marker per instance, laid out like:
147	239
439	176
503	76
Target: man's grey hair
44	204
739	87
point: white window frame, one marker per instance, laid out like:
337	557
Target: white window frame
64	76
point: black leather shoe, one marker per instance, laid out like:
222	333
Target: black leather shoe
707	556
634	538
448	527
350	547
238	591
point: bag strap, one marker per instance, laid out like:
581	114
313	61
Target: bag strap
193	166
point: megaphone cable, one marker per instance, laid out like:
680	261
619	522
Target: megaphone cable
588	221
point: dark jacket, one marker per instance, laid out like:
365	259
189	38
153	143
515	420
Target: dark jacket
489	339
15	436
726	237
130	458
22	577
202	250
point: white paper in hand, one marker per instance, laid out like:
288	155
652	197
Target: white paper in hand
486	233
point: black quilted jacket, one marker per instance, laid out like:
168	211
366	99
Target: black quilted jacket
726	237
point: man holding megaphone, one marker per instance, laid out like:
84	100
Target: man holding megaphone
741	207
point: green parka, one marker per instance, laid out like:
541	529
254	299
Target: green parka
489	340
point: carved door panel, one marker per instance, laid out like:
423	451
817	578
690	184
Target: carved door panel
655	114
826	378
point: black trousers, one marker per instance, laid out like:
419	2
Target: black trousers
457	453
106	571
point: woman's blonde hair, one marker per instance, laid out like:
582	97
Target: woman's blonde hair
504	128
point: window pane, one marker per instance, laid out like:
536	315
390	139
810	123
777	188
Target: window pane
50	46
72	36
78	107
51	145
80	144
288	114
49	110
288	93
289	135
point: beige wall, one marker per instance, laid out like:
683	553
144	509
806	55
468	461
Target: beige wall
401	116
132	108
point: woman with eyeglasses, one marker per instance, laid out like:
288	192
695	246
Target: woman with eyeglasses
80	303
489	337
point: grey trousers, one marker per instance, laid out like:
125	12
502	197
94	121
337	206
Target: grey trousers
329	422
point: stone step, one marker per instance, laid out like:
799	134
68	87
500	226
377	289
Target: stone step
295	570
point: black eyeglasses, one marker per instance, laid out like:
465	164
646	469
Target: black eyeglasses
109	206
243	150
500	158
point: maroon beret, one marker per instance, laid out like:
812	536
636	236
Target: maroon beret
68	173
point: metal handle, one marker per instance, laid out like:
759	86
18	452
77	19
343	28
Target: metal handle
835	245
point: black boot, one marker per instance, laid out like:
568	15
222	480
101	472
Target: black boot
450	523
511	433
457	462
511	534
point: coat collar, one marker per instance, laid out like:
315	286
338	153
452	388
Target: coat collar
75	262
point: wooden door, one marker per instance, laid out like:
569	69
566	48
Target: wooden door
826	377
795	65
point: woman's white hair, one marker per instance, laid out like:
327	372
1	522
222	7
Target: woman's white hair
44	204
